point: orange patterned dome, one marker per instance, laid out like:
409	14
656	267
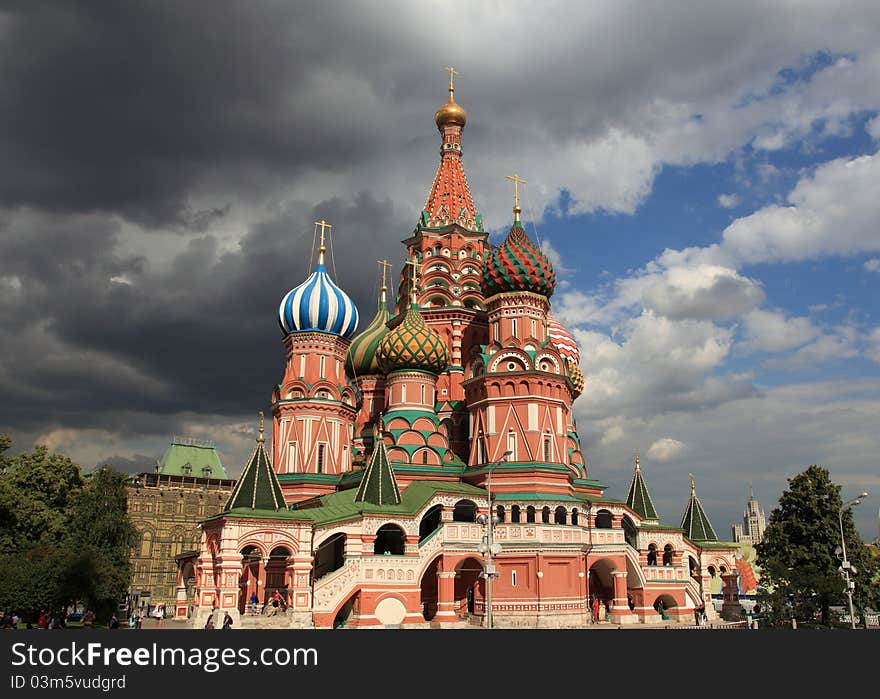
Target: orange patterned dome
576	376
412	345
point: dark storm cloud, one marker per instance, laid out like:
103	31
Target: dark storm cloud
127	106
199	336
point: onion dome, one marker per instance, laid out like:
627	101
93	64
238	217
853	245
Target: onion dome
451	112
563	339
412	345
361	358
318	305
576	376
518	265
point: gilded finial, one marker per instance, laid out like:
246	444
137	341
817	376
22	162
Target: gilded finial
380	426
517	181
414	280
321	247
637	458
693	485
452	73
384	264
260	437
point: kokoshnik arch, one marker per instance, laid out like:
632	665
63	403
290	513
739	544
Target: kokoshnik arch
365	513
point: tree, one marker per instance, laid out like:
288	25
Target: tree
797	557
99	541
63	537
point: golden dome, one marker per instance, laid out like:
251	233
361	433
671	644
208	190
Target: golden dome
450	113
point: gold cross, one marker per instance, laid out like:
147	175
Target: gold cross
637	457
517	181
452	73
693	485
323	224
260	438
413	278
385	265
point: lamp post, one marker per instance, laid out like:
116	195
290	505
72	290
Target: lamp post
845	565
489	544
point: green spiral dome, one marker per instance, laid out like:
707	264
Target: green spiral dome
361	358
412	345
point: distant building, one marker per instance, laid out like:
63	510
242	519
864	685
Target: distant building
188	485
752	529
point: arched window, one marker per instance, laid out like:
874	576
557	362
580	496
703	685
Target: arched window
546	449
499	512
652	554
667	555
545	515
514	514
530	514
146	544
574	516
390	540
560	515
603	519
464	511
425	456
511	445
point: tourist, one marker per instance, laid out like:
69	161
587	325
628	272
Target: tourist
595	608
227	621
254	601
114	622
277	603
209	624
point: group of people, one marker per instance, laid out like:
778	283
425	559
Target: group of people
700	615
599	609
276	604
227	621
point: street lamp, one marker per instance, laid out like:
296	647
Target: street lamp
489	546
845	565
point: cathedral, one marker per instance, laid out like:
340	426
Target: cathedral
427	471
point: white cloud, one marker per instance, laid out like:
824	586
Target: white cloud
833	211
728	201
771	331
665	449
702	292
873	346
873	265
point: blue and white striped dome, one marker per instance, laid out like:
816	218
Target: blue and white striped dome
318	305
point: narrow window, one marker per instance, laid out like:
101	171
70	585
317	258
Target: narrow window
513	578
546	449
533	327
291	457
424	457
511	445
320	458
403	393
513	327
423	393
514	514
322	366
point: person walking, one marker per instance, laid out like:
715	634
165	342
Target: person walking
595	608
254	602
227	621
209	624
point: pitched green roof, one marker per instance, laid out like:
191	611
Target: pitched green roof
257	488
695	523
639	499
341	506
378	486
190	457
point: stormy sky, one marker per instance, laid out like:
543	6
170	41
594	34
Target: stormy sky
704	174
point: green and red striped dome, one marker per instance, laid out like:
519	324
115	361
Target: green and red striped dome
518	265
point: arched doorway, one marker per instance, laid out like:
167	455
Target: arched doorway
629	532
390	541
249	579
330	555
601	583
276	568
468	586
429	593
347	611
430	522
663	604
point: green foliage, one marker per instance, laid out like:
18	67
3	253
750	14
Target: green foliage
797	557
64	537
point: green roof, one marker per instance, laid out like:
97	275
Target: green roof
695	523
638	498
341	506
189	457
257	488
378	486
